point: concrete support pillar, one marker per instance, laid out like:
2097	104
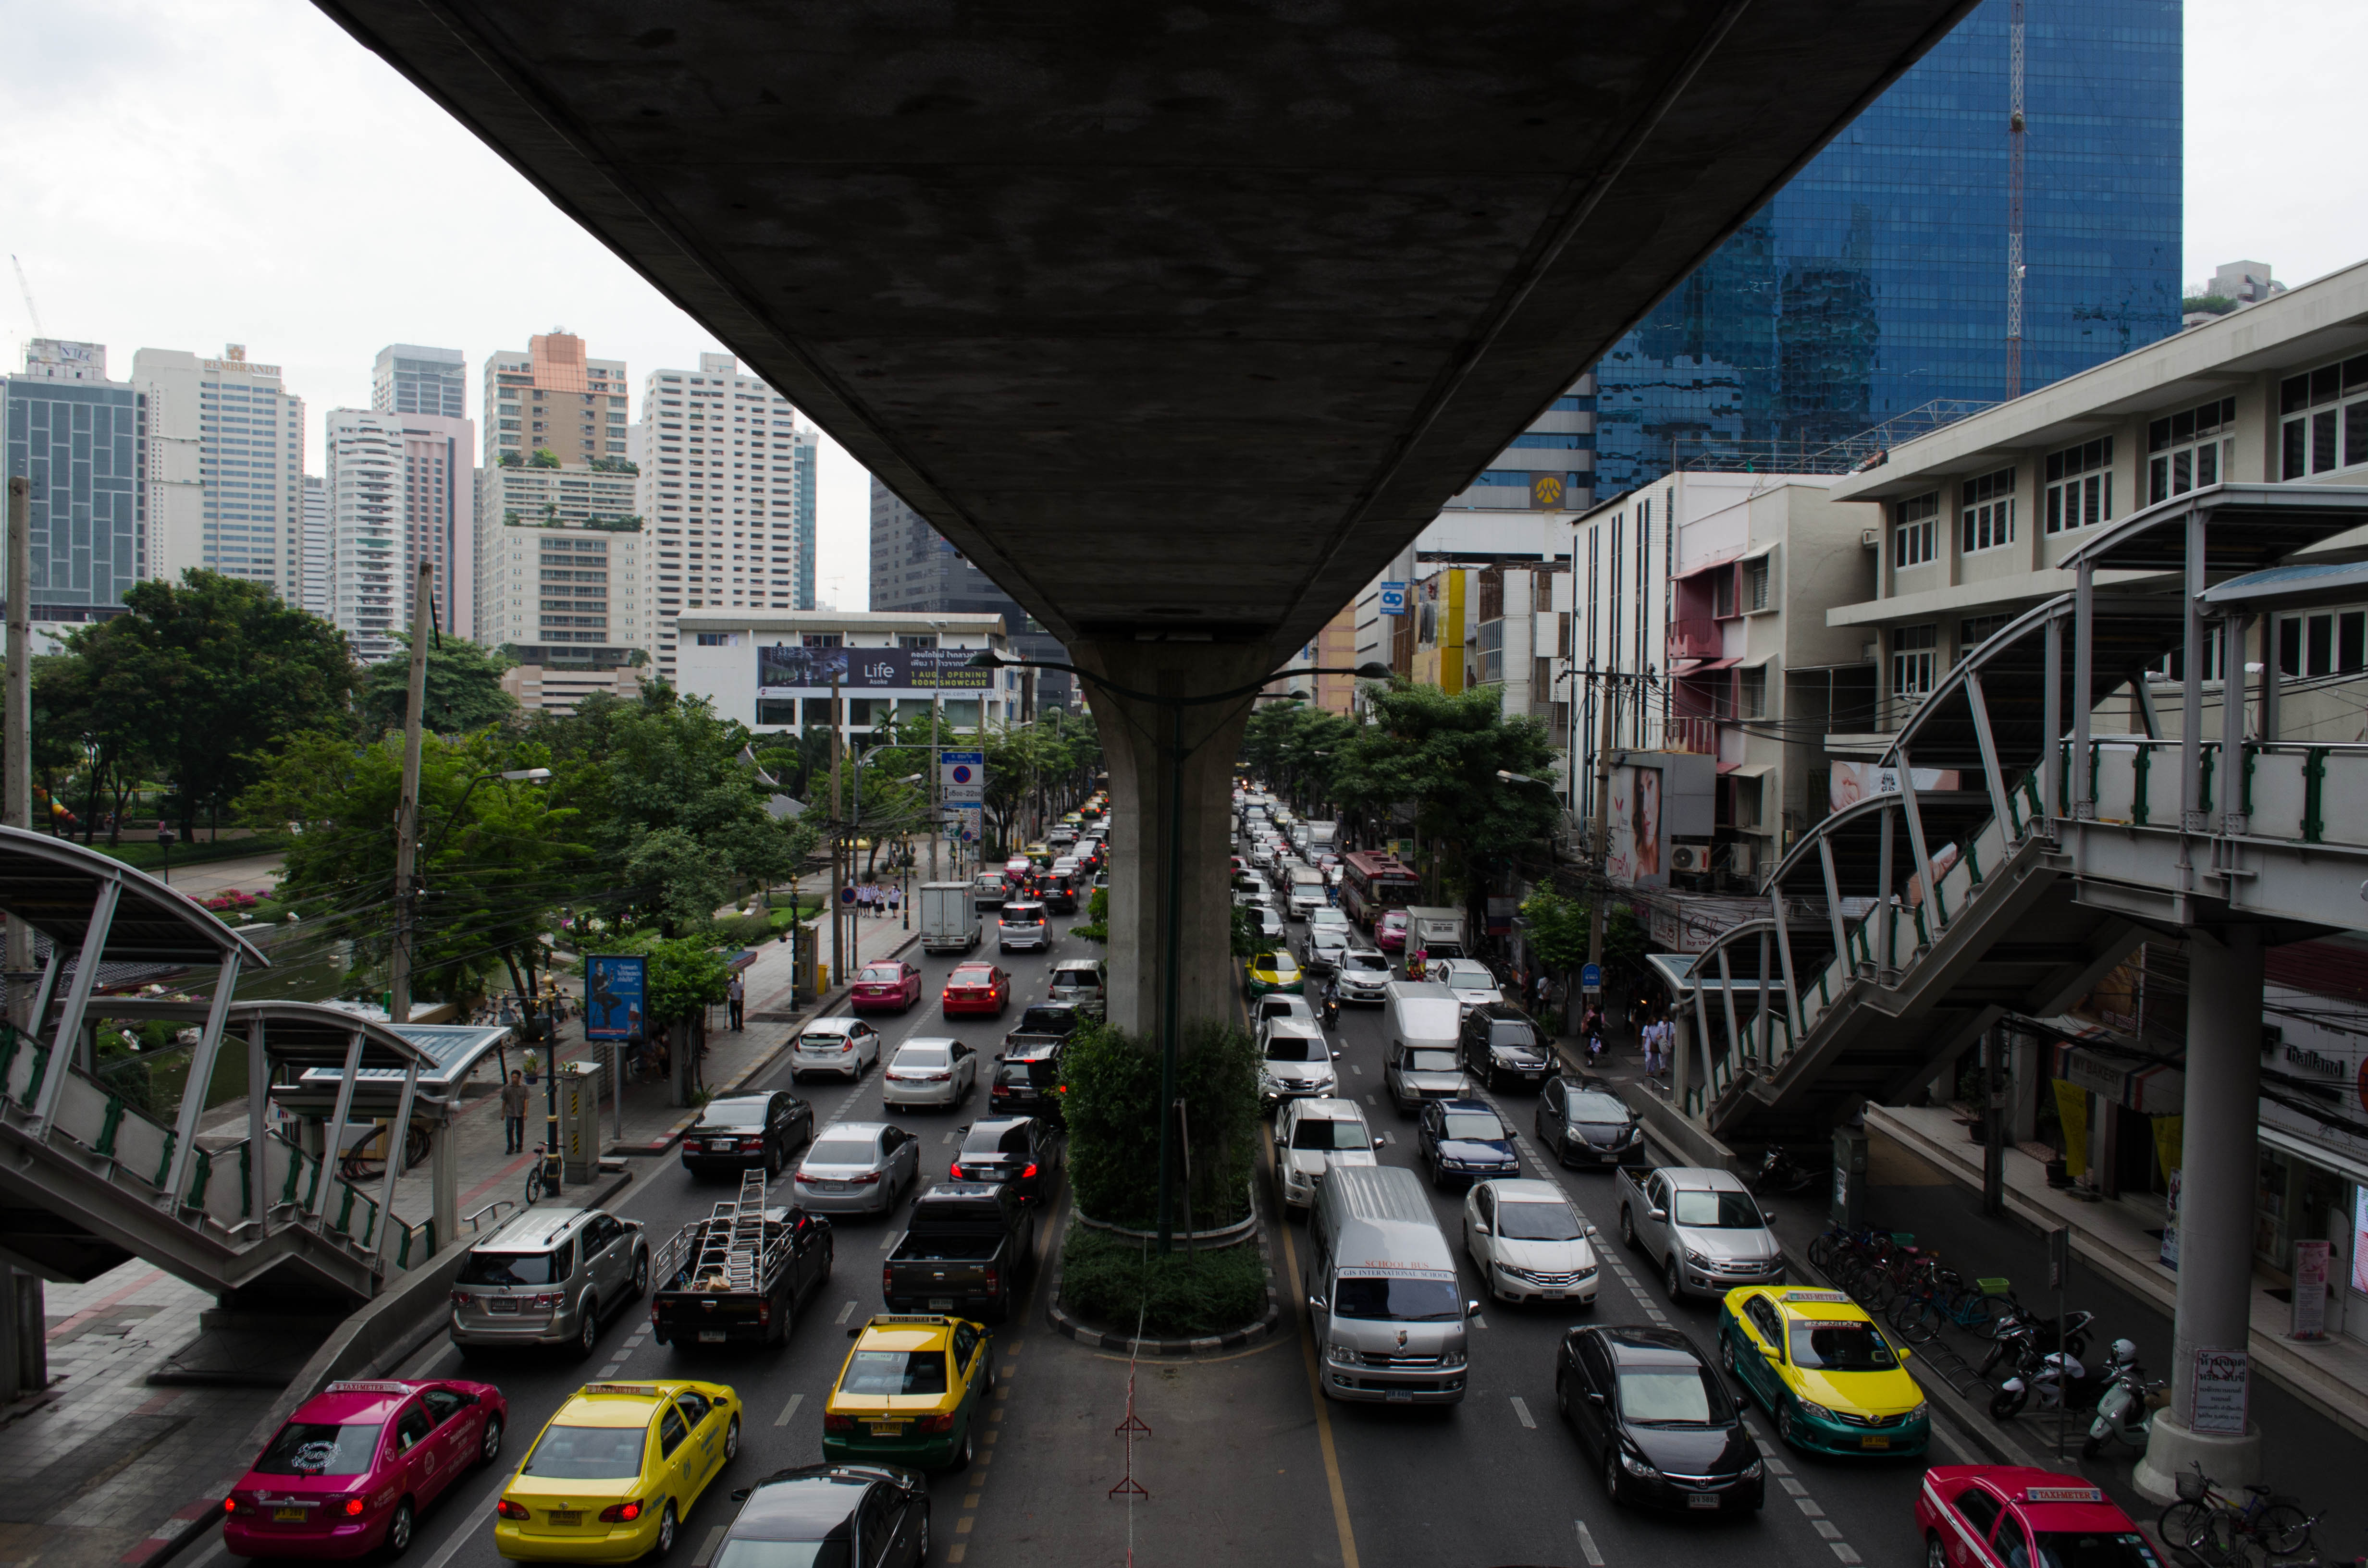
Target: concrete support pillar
2022	1094
24	1342
1150	798
1682	1057
2221	1150
444	1182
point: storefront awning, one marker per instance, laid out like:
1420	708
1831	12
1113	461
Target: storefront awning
1713	564
1745	769
1704	667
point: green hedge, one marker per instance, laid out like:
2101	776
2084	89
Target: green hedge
1112	1083
1115	1279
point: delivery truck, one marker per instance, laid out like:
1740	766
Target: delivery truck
949	923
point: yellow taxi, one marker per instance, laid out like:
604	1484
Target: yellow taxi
611	1476
912	1390
1819	1365
1270	971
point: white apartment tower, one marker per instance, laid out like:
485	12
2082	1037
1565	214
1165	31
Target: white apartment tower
226	467
318	595
401	488
727	492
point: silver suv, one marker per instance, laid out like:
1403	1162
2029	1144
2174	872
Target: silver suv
549	1277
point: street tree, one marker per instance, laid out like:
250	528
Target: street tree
465	688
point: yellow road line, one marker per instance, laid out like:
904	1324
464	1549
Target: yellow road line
1316	1387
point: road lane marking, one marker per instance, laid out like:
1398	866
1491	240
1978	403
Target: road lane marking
1809	1506
1791	1487
1587	1545
1322	1406
845	1312
706	1549
1828	1529
460	1537
1843	1550
789	1410
1523	1411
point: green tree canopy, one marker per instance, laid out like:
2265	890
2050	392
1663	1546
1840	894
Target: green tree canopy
465	688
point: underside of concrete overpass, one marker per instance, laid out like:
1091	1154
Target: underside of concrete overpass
1180	319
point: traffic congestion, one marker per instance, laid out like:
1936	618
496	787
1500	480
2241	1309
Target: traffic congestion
1593	1348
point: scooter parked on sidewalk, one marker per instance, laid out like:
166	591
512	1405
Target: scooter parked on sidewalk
2058	1382
1780	1173
2125	1410
2023	1334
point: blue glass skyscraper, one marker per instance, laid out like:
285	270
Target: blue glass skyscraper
1875	284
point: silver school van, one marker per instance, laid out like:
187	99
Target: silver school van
1382	1291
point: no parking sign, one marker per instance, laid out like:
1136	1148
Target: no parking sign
961	777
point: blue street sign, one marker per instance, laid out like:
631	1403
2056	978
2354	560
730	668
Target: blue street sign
1394	599
615	996
1591	977
847	895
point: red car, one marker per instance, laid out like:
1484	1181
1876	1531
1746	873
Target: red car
892	985
1389	931
2009	1517
977	988
351	1470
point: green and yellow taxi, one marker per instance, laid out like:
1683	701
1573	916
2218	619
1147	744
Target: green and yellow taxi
612	1475
1272	970
911	1391
1818	1364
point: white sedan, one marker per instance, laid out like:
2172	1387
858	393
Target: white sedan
1528	1244
930	1072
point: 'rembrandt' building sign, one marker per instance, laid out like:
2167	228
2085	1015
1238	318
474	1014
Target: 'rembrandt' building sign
787	669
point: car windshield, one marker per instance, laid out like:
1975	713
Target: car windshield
1431	1062
1280	963
586	1453
1295	1048
993	1139
1538	1222
733	1113
923	1056
1474	1124
884	974
1841	1346
1672	1395
507	1268
1718	1210
840	1151
314	1448
1323	1132
1015	916
895	1371
1512	1036
747	1553
1040	1018
973	977
2086	1549
824	1038
1369	961
1397	1299
1594	1105
1077	979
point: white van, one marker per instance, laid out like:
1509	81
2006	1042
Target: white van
1421	1061
1381	1291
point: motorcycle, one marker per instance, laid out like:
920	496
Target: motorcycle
2023	1336
2058	1381
1780	1173
1329	1011
2125	1410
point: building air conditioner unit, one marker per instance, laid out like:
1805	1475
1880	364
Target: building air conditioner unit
1740	857
1690	858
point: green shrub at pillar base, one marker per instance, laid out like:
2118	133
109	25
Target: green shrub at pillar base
1112	1104
1119	1282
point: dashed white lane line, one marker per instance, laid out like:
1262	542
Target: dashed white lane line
789	1410
1522	1410
707	1549
1587	1545
845	1312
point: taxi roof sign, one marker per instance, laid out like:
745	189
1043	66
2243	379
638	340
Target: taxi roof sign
368	1387
642	1390
933	1320
1815	1296
2063	1495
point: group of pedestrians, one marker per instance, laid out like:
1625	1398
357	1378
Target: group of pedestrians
872	898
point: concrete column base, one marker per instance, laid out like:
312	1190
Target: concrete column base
2172	1450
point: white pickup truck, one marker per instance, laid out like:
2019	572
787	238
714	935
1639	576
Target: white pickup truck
1703	1229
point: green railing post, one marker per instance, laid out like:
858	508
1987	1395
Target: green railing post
2030	793
1973	859
2252	755
108	1126
345	1210
2141	771
246	1180
9	1040
2314	783
2206	800
295	1173
33	1085
197	1198
165	1165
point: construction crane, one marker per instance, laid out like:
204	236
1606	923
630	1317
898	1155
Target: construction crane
2015	134
27	290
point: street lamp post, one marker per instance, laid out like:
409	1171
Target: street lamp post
1178	752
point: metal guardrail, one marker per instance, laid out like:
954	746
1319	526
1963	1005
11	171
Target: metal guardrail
496	1208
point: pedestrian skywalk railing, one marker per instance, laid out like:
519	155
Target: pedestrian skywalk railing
217	1187
2299	791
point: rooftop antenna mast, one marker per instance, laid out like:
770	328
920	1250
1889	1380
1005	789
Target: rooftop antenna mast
27	290
2014	140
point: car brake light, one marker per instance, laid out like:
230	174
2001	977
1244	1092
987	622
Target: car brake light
1029	1173
461	1298
230	1505
869	1179
994	1279
510	1510
955	1171
838	1422
353	1507
764	1311
930	1425
622	1513
548	1298
1001	1091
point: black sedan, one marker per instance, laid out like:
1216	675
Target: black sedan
1022	1150
1657	1421
1581	1122
739	1131
1463	1141
831	1516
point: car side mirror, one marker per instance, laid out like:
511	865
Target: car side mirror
1471	1307
1901	1351
1481	1226
740	1495
1317	1304
1657	1216
1771	1353
1594	1396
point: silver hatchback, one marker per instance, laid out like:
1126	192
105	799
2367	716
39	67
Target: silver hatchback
549	1277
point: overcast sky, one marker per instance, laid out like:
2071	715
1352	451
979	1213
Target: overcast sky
206	172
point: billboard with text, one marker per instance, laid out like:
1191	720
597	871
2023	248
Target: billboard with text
788	669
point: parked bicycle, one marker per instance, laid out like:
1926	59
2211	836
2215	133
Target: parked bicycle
1938	1296
2216	1528
542	1177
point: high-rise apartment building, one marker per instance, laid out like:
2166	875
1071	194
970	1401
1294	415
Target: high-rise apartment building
552	399
82	440
408	379
727	489
548	608
226	466
1874	288
318	595
916	571
400	489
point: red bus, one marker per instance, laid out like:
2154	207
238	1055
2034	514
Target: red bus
1372	882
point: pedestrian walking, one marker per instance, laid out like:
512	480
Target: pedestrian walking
1651	1038
736	992
1544	988
896	902
514	1114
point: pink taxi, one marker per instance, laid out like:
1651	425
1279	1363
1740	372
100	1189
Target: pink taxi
354	1466
1390	931
890	984
2011	1517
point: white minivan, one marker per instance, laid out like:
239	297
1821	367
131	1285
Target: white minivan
1381	1291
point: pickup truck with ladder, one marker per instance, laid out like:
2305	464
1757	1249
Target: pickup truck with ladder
738	1275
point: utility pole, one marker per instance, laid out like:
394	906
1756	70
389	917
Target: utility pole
937	771
837	848
17	805
406	810
1599	850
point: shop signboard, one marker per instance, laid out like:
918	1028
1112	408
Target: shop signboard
787	670
2222	1377
2312	1262
1394	599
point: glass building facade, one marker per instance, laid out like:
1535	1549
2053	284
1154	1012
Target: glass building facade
84	446
1873	288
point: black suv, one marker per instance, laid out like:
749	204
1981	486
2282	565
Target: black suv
1500	1044
737	1132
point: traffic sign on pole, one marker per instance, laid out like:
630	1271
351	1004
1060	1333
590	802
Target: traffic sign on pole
1591	977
